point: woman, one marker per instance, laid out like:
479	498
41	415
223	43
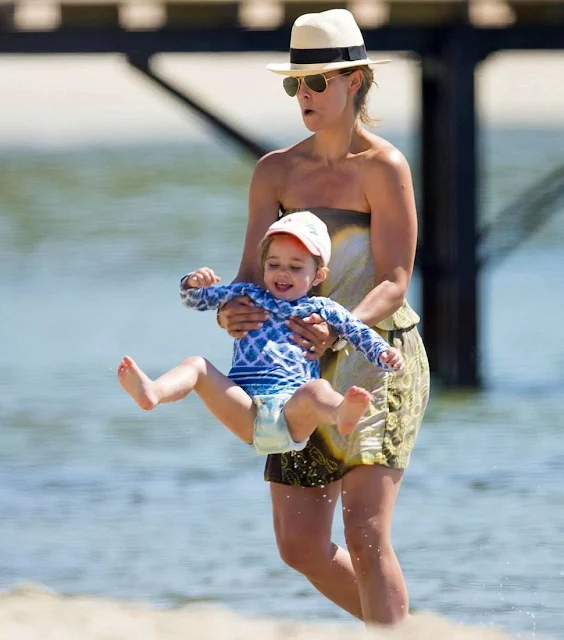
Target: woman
361	186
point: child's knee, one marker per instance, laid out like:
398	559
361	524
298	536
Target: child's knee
314	387
196	362
311	392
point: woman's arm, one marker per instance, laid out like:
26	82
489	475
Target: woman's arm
241	316
264	205
393	234
393	237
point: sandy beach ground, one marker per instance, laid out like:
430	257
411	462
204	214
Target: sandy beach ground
66	100
31	613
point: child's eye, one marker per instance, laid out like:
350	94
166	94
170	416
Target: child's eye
296	268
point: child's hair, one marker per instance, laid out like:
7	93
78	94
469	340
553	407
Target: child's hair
264	246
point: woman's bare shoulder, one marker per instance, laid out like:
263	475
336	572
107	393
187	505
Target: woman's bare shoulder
287	155
277	163
387	178
383	154
383	162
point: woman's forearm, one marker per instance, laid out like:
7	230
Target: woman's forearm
380	303
248	276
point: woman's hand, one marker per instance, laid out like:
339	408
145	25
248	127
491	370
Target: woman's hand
240	316
312	334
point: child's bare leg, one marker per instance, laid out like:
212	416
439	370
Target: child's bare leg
170	387
317	401
352	409
223	398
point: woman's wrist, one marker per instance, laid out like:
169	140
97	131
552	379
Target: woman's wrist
380	303
338	344
218	318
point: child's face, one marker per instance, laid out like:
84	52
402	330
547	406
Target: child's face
289	269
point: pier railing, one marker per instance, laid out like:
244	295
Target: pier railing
157	14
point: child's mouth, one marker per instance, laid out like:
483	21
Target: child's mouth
282	287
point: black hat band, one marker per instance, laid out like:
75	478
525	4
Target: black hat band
333	54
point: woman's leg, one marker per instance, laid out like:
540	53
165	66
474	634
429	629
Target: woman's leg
224	399
316	401
303	519
369	495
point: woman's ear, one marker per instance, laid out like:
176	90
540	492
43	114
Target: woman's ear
321	274
355	81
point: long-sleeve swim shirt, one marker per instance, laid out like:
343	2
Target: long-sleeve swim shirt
266	360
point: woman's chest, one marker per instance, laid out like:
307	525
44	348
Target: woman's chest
308	186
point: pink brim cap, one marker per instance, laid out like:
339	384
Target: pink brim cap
299	235
308	229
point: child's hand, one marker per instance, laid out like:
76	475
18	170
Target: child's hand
393	358
203	277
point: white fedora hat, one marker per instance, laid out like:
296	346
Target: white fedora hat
324	41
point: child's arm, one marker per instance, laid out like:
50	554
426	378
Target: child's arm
364	339
202	277
197	292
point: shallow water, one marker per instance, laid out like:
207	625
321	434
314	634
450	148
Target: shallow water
167	507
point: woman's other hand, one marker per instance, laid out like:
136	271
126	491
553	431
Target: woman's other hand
312	334
239	316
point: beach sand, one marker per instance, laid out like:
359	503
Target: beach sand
29	612
69	100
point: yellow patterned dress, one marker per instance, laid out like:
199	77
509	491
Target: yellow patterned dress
386	434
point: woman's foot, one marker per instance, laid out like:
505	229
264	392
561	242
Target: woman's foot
352	408
137	384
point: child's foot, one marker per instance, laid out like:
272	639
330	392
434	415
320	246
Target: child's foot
137	384
350	412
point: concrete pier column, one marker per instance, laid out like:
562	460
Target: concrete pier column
449	217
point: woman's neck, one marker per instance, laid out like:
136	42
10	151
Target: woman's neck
333	145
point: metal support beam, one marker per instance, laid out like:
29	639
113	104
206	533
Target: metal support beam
449	225
188	40
422	41
252	147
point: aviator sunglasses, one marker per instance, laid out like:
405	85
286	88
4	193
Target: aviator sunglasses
317	82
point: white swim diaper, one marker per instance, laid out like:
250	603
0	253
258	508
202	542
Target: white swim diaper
271	433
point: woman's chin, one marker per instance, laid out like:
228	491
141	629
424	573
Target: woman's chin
314	127
316	123
312	122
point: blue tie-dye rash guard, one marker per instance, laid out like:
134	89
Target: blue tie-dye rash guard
266	361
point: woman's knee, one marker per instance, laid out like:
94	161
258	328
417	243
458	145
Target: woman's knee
368	538
303	520
370	494
301	550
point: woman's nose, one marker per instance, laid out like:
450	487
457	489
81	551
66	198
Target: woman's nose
303	89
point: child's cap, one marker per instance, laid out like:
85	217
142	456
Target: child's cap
308	229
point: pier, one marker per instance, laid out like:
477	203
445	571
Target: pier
449	37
